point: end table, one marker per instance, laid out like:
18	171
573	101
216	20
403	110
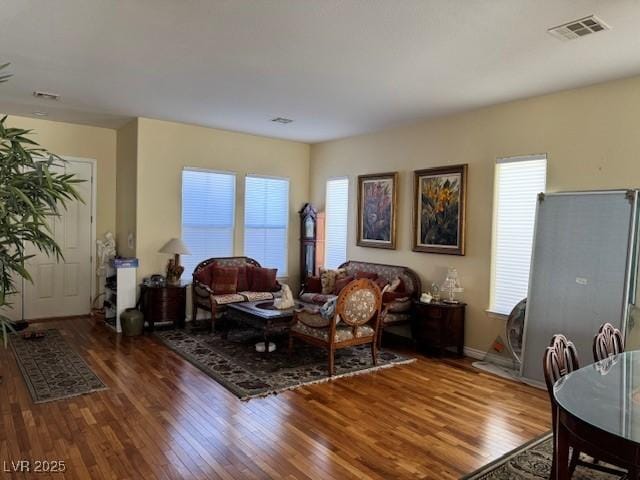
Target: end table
439	325
164	304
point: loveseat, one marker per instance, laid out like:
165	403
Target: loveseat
206	298
397	309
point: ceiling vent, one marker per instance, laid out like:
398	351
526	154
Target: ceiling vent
579	28
46	95
281	120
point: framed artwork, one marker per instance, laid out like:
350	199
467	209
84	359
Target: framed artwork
377	206
439	209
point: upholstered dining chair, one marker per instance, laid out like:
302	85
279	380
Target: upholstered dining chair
355	322
607	342
560	359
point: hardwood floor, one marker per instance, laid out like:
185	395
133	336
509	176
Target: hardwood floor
163	418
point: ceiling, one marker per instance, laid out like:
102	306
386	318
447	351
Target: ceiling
336	67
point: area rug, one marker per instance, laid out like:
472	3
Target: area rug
234	363
52	369
531	461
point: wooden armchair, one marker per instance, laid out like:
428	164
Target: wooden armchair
355	322
607	342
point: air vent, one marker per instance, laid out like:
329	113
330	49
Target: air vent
46	95
579	28
281	120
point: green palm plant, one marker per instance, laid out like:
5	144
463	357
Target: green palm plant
31	192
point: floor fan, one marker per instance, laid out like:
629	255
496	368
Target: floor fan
502	361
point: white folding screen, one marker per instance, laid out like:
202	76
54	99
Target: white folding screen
266	221
337	216
208	212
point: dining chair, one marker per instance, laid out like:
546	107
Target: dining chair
560	359
356	321
607	342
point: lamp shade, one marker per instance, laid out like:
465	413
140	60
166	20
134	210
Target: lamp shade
175	246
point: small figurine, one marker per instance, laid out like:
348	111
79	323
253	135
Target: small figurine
286	300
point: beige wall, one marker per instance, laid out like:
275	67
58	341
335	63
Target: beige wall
126	186
67	139
164	148
591	136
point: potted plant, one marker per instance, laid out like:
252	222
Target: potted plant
30	193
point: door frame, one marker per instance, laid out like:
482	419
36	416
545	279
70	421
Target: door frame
94	175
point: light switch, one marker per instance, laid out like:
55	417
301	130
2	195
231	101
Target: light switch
581	281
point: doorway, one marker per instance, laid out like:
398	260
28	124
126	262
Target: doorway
64	287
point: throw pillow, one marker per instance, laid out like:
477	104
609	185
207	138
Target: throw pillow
224	280
328	279
204	275
381	282
394	297
341	283
364	274
243	278
397	285
263	279
313	285
328	310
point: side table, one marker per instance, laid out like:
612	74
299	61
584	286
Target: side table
164	304
439	325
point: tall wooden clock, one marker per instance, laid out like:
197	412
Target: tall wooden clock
308	242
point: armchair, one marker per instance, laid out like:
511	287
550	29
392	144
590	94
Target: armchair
355	322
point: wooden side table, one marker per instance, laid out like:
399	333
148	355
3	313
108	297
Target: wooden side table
438	326
164	304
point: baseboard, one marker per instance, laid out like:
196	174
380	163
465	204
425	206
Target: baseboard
492	357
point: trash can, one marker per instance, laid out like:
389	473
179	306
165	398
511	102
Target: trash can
132	321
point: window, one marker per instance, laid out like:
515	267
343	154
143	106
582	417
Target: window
208	212
337	212
266	221
518	182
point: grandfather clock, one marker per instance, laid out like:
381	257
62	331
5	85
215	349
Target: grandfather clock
308	240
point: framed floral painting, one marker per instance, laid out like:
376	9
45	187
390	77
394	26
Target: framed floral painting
439	209
377	206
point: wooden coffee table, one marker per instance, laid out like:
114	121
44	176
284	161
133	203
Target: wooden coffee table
263	316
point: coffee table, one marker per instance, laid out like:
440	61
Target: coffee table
263	316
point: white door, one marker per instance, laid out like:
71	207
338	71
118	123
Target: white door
63	288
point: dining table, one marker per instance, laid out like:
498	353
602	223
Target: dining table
599	412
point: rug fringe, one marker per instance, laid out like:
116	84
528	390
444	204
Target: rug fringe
327	379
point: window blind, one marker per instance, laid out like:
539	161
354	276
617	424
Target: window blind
518	182
337	213
266	221
208	212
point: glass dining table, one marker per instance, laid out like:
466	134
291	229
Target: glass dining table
599	409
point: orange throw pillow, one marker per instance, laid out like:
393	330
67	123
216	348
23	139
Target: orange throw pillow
224	280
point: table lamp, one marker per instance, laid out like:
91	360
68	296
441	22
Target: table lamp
174	247
451	285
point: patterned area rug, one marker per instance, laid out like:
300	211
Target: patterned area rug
531	461
234	363
51	369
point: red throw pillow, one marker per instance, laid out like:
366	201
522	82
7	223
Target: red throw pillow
341	283
381	282
243	279
224	280
204	275
388	297
263	279
313	285
369	275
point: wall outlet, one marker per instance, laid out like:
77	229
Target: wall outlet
131	241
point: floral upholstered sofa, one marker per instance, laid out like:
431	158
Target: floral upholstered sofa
213	287
396	306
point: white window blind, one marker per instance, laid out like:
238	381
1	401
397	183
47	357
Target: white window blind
208	212
518	182
337	213
266	221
